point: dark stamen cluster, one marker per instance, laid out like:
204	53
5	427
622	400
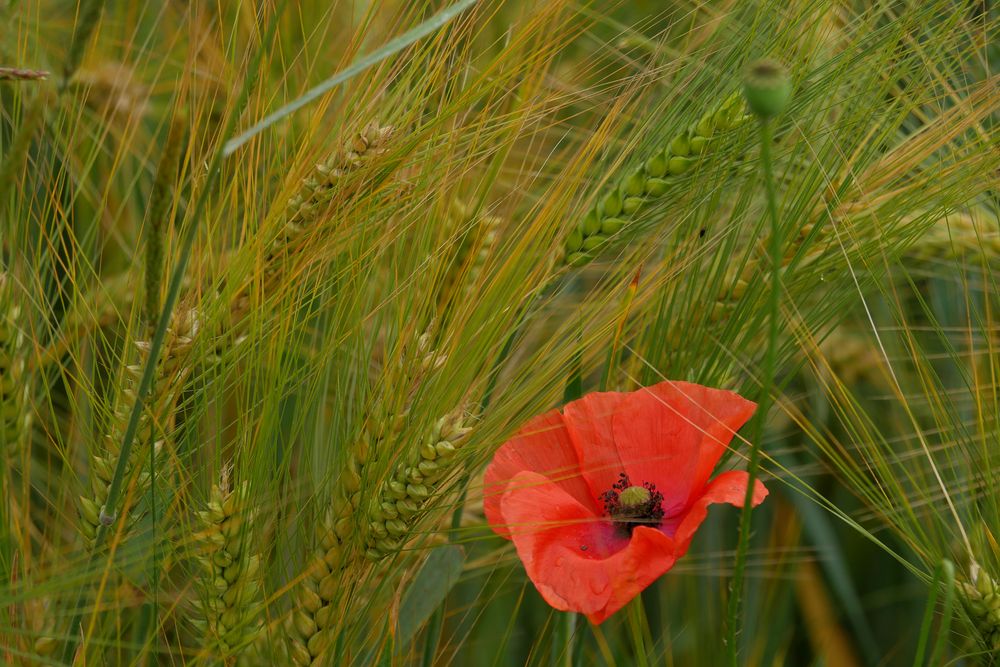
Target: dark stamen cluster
628	516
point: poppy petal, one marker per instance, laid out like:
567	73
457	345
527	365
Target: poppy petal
589	422
716	414
657	445
728	487
541	445
577	561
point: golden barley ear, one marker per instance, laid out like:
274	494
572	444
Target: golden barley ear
328	186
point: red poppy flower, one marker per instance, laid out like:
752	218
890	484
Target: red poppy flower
604	497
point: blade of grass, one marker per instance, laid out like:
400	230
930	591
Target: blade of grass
392	47
944	631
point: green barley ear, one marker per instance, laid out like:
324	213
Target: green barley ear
310	628
982	602
342	537
229	609
400	501
651	182
15	416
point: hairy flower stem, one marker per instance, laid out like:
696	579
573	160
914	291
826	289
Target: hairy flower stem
636	621
764	404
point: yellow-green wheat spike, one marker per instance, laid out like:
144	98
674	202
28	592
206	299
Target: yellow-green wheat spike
652	181
982	601
476	237
393	515
326	184
171	372
229	608
14	390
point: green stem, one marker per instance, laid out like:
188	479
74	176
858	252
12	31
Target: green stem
433	636
767	381
562	640
636	623
925	626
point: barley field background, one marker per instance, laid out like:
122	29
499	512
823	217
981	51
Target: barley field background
278	279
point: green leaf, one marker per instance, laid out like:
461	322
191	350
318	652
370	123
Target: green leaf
429	589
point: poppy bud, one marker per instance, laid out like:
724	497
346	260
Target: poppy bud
767	88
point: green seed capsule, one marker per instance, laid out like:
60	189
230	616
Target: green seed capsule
328	586
767	88
89	510
611	226
300	654
428	468
630	207
594	242
318	643
309	601
635	184
351	478
304	623
591	223
397	490
344	527
578	259
332	558
574	241
387	546
656	166
612	204
679	165
657	187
